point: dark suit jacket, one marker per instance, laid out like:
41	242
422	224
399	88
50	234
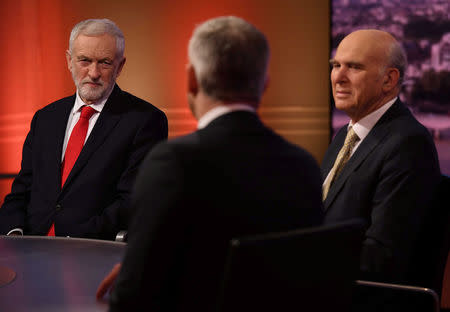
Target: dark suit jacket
234	177
95	200
389	181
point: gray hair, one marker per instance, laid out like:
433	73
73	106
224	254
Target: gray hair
397	59
95	27
230	57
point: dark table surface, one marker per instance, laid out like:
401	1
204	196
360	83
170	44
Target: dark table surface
55	273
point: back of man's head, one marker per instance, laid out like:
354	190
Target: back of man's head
230	57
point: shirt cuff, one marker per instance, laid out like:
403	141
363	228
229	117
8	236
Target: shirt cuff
16	230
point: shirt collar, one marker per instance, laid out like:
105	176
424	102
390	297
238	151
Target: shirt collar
364	125
222	110
98	106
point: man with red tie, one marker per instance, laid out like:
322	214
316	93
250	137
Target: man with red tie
82	153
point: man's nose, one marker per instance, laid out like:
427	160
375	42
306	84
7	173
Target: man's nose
94	72
339	74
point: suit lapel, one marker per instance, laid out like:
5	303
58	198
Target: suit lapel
373	139
59	118
107	120
333	151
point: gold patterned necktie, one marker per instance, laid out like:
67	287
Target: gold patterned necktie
341	160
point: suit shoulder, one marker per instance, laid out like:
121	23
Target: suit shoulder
181	146
294	148
306	156
140	104
407	139
403	121
186	141
68	100
408	125
176	146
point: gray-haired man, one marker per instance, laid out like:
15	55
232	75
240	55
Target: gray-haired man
82	153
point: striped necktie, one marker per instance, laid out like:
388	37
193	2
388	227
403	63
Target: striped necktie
344	155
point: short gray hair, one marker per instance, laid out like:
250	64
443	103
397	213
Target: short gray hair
230	57
397	59
95	27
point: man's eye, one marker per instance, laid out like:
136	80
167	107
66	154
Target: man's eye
335	65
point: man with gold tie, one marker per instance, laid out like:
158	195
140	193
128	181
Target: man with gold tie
383	165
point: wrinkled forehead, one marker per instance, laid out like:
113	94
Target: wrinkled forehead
97	45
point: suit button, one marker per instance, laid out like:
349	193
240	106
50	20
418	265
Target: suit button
58	207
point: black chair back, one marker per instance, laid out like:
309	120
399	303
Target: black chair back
435	241
305	270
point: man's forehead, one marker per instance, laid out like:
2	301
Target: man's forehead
366	43
98	46
102	42
358	52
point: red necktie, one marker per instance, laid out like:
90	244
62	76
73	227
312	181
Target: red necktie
74	147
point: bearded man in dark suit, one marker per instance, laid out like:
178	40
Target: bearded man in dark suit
85	193
392	167
231	177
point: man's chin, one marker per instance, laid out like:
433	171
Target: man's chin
342	105
91	96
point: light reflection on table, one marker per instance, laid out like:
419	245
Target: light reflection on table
55	273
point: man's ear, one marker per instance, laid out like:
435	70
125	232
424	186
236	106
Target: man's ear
192	83
119	68
266	83
69	59
391	78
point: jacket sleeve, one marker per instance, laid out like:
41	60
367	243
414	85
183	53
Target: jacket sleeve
401	204
13	210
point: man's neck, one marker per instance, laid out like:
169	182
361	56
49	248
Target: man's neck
207	109
357	116
204	103
221	110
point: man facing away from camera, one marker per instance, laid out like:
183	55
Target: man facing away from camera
231	177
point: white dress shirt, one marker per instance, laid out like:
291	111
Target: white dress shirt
74	116
222	110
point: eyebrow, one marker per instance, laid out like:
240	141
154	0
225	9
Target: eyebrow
353	64
79	57
106	59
